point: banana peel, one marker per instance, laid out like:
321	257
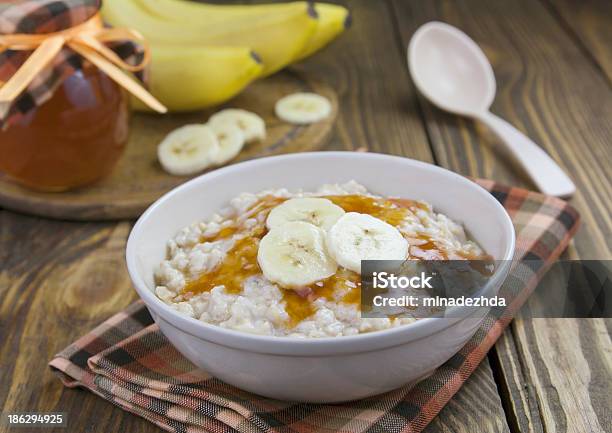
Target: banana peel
183	79
204	14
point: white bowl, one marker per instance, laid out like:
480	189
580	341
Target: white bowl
325	369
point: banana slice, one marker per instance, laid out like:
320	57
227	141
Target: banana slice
317	211
252	126
294	255
303	108
188	150
356	237
231	141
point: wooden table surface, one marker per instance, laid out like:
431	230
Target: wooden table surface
553	64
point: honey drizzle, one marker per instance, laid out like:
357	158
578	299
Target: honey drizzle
297	307
428	250
239	264
387	210
344	286
345	283
225	232
241	260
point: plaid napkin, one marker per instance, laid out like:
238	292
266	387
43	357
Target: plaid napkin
127	360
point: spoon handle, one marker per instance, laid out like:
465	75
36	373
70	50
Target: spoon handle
542	169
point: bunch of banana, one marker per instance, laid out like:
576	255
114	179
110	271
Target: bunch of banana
204	54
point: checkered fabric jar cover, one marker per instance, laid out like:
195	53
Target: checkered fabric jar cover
43	17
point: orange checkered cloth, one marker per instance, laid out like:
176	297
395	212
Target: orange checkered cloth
129	362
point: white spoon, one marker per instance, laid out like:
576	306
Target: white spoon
452	72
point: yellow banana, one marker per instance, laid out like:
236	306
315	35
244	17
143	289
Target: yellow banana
279	38
333	19
196	13
189	78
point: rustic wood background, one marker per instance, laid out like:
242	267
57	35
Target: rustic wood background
553	63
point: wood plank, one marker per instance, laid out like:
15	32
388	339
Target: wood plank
568	362
57	281
551	381
564	372
471	408
590	21
547	87
516	391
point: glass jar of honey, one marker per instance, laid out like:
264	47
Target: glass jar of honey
73	139
64	78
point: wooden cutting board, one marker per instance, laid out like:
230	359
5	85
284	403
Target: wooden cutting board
138	180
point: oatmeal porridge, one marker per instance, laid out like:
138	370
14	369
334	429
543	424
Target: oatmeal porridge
287	264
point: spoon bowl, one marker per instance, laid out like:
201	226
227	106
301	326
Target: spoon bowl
451	70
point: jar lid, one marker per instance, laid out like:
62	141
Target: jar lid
44	16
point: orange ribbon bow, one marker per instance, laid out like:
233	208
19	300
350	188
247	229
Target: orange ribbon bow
86	39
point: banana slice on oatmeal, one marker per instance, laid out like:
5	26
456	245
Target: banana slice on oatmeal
356	237
294	255
320	212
